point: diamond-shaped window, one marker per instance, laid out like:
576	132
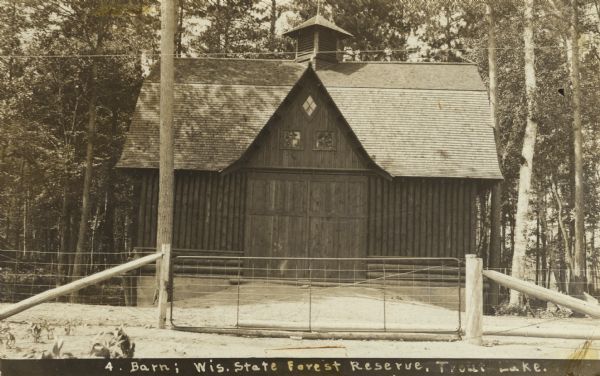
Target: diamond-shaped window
309	106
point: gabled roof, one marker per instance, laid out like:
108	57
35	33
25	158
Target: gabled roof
394	75
250	72
318	21
420	119
428	120
410	132
220	106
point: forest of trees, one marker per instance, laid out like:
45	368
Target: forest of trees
70	73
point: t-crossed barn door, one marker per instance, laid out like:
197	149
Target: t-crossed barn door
306	215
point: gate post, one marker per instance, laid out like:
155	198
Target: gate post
474	299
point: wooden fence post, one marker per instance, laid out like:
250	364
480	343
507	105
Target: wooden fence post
474	300
163	293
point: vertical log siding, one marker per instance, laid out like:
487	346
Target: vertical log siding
209	210
420	217
414	217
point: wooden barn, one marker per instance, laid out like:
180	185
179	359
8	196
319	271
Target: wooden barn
315	157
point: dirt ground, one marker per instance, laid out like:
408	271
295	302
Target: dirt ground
140	325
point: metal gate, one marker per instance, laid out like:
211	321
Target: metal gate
316	295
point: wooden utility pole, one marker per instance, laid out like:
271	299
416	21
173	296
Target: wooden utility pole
166	178
496	206
525	171
578	280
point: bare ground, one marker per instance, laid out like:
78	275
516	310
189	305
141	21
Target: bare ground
140	324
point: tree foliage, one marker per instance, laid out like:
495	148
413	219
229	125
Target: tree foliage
45	92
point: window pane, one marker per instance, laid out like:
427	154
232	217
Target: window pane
291	140
325	140
309	106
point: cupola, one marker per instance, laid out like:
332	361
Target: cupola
317	41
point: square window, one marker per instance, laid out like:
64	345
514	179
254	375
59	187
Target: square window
309	106
325	140
291	140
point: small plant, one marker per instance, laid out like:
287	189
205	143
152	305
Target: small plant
552	311
68	327
506	309
6	337
56	352
555	312
49	329
35	330
115	344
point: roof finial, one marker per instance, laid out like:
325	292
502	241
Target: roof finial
318	6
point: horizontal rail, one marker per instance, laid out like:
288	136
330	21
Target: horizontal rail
76	285
201	252
543	293
317	258
392	336
337	327
566	333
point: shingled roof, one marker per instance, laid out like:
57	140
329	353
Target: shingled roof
418	119
429	120
318	21
220	107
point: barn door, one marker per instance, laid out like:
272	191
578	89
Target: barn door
305	215
337	223
276	222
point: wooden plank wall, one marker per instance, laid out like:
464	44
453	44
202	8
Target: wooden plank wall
268	152
305	45
419	217
208	211
328	43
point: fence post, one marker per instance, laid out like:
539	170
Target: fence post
474	299
163	293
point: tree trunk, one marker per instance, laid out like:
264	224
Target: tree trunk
578	279
543	236
511	222
537	248
561	224
594	262
64	224
496	204
525	171
26	252
80	259
273	21
107	244
179	32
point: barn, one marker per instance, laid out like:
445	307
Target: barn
315	157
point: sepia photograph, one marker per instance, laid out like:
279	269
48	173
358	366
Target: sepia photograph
299	187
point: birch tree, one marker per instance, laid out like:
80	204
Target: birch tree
577	281
496	204
527	151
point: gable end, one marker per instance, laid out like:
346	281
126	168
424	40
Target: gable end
308	132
